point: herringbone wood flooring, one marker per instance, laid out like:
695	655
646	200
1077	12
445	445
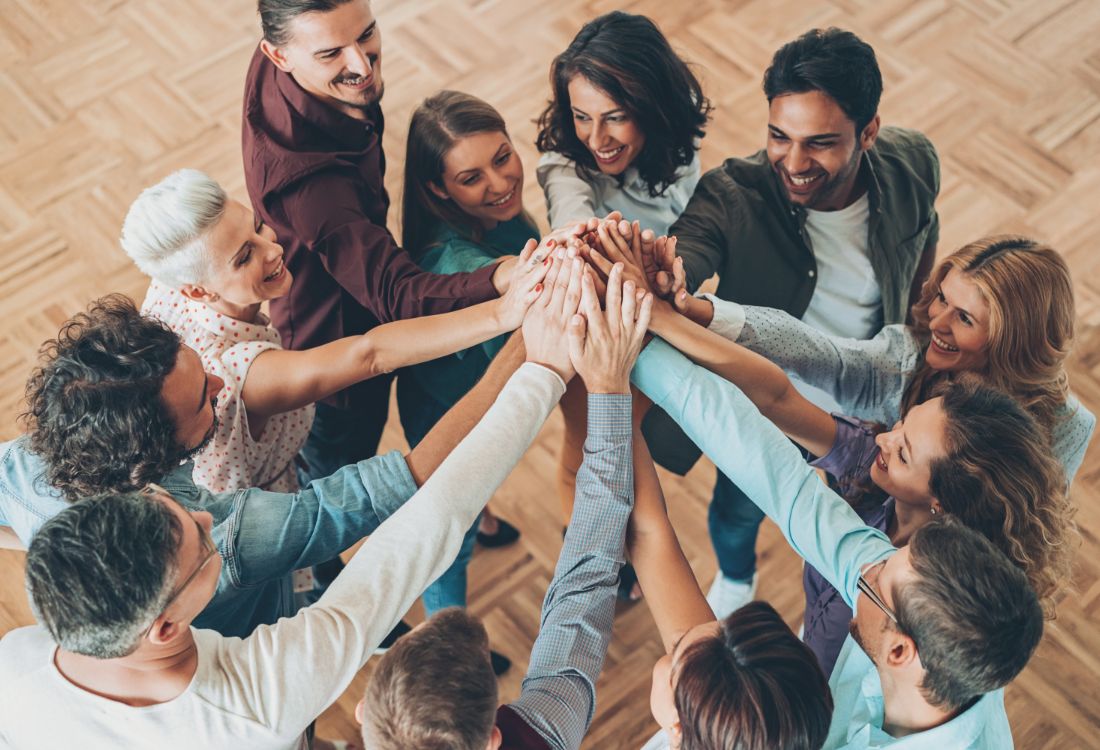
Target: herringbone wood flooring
103	97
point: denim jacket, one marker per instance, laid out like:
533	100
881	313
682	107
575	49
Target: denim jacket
262	536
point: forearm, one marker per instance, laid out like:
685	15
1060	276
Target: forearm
747	448
671	589
460	419
766	385
558	696
410	342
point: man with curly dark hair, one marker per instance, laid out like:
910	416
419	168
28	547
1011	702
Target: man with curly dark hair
118	402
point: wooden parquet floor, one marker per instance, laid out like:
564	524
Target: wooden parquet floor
103	97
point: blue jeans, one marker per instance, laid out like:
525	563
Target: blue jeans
734	522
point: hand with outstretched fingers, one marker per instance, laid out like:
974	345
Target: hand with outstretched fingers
604	343
547	322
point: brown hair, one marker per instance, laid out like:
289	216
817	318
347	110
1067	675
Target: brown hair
434	688
1031	312
436	126
754	686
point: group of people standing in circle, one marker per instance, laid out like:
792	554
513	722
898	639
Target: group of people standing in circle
908	424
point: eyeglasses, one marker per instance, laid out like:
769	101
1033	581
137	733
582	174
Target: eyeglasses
865	586
210	551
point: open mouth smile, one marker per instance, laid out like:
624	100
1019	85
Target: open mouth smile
277	273
941	344
504	200
609	155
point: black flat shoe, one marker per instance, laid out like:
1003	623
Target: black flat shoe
500	662
627	579
506	534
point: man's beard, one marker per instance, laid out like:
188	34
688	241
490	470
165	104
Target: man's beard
206	440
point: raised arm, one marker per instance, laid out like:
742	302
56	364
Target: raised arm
559	691
671	589
752	452
281	380
766	385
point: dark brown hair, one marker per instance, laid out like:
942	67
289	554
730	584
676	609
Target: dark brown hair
754	686
628	58
276	15
438	123
94	410
434	689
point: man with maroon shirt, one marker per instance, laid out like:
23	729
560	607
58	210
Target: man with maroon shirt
314	168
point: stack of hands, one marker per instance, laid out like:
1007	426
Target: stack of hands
587	294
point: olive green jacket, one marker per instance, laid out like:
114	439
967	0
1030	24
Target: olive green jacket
740	225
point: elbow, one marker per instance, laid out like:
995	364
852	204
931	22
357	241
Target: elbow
373	361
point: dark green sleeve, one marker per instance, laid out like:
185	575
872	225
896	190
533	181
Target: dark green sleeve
702	229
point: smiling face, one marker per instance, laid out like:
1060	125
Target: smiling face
190	395
246	262
483	175
814	150
958	319
604	127
662	700
903	466
336	56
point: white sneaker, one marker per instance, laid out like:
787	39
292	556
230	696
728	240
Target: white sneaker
727	595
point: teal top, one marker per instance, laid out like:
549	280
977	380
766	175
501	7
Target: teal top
426	391
820	526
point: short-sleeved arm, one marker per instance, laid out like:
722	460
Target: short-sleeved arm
559	692
569	198
702	231
287	673
866	377
326	215
758	458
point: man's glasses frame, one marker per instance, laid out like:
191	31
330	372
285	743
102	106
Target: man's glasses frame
865	586
210	551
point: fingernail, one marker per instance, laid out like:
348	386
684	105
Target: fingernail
546	260
538	287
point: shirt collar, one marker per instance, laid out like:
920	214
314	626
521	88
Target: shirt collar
313	110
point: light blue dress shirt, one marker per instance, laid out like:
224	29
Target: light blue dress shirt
819	525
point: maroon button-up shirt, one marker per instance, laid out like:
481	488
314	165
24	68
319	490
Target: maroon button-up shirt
315	176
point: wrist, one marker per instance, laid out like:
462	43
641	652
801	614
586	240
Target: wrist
565	373
700	310
502	275
608	386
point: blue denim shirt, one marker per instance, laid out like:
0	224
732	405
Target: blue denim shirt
262	536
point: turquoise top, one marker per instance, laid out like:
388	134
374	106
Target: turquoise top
427	390
820	526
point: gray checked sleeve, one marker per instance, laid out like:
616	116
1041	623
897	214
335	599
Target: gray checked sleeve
559	692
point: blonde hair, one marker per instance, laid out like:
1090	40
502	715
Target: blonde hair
1031	312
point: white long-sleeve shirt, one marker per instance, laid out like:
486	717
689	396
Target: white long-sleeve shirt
262	692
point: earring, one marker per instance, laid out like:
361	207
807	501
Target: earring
933	509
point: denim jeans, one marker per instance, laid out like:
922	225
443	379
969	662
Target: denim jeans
419	413
734	521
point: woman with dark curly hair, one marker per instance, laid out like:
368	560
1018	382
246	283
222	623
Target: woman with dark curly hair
622	129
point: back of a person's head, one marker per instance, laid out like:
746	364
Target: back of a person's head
94	410
754	686
434	689
1000	478
970	611
100	571
833	61
163	232
436	126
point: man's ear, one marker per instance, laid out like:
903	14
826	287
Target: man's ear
496	739
276	55
163	631
438	190
902	651
870	133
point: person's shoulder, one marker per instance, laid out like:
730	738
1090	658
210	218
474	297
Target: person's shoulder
739	177
903	153
22	651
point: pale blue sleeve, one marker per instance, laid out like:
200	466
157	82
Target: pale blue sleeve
751	451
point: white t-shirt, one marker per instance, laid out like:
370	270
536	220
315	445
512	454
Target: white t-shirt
263	691
847	299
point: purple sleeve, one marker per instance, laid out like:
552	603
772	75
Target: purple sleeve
849	460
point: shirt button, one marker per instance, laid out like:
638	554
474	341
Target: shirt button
811	273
